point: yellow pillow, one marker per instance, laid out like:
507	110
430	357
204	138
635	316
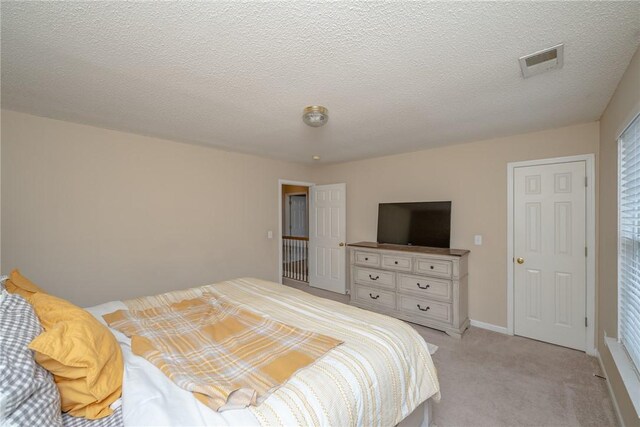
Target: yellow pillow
18	284
81	353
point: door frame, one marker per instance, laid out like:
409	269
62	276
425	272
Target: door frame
280	213
590	309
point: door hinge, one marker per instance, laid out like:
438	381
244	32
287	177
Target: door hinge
586	251
586	322
586	181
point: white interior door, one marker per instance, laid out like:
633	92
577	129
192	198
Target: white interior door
327	237
550	255
298	215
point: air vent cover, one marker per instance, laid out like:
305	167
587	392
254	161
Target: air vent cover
541	61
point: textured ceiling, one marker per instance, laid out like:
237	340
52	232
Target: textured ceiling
395	76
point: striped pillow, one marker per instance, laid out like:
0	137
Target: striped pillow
28	395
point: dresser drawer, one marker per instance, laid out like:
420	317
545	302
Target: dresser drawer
367	258
369	276
394	262
428	287
433	267
375	297
429	309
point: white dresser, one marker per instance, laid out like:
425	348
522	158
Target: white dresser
427	286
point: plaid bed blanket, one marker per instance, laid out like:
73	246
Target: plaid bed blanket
227	356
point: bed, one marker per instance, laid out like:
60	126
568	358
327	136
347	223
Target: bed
382	374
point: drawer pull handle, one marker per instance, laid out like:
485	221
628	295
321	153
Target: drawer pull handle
366	259
425	287
432	267
372	297
396	262
420	308
374	278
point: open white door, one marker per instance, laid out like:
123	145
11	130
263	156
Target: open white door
327	237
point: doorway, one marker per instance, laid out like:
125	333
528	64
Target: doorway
551	228
312	247
295	232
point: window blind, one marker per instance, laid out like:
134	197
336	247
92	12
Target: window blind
629	238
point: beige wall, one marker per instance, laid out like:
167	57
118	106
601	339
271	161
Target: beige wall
623	107
94	215
474	177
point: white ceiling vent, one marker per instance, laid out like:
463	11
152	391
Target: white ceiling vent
541	61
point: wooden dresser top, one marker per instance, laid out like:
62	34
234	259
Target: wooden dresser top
406	248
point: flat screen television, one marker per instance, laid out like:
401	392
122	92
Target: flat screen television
417	223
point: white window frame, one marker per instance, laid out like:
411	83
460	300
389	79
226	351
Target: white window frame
626	367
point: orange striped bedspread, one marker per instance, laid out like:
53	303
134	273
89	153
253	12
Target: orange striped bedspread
227	356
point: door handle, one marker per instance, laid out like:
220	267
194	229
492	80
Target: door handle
520	260
341	244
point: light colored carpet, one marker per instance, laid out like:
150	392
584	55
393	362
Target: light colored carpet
491	379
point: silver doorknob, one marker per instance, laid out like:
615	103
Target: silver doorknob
341	244
520	260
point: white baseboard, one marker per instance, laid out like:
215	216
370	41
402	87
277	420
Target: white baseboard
611	395
489	326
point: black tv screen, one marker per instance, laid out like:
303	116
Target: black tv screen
419	223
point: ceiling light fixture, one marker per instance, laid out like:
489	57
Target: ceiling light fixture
315	115
316	157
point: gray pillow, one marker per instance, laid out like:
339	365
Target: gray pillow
28	394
